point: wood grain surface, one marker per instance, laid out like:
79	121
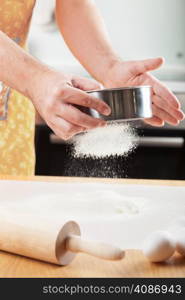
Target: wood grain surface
133	265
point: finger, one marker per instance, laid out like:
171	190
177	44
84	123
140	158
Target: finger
154	121
75	96
147	65
85	84
161	90
75	116
65	129
163	115
163	104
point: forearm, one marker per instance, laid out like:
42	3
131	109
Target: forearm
18	69
84	32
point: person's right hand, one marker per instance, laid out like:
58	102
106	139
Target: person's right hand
54	97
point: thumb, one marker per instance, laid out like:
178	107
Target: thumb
85	84
147	65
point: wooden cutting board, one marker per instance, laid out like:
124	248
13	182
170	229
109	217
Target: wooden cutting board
133	265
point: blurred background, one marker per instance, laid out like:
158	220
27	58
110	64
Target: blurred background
138	29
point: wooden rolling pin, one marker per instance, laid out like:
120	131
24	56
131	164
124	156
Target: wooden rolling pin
47	241
101	250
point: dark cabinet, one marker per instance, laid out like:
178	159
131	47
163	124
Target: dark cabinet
160	155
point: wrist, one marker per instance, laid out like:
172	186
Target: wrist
108	71
45	83
35	78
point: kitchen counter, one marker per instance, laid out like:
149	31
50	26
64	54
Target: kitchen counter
133	265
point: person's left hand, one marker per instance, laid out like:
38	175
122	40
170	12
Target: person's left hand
166	107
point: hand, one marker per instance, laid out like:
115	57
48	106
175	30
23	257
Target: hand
166	107
54	96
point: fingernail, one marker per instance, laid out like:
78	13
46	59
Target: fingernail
176	123
180	115
103	124
183	116
106	111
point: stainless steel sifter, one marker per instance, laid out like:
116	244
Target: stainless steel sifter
127	104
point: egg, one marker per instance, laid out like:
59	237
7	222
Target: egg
180	241
159	246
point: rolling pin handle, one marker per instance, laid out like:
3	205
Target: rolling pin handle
75	243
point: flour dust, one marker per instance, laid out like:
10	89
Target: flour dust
112	140
102	152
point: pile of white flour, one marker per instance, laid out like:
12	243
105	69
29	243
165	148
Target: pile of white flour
112	140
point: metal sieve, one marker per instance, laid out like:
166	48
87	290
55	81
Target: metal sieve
126	104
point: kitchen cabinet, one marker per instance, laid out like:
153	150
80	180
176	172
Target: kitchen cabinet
155	160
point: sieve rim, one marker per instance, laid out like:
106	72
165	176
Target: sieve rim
120	88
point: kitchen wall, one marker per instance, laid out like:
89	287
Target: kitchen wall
146	27
138	29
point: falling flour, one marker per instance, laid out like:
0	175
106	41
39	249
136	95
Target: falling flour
112	140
